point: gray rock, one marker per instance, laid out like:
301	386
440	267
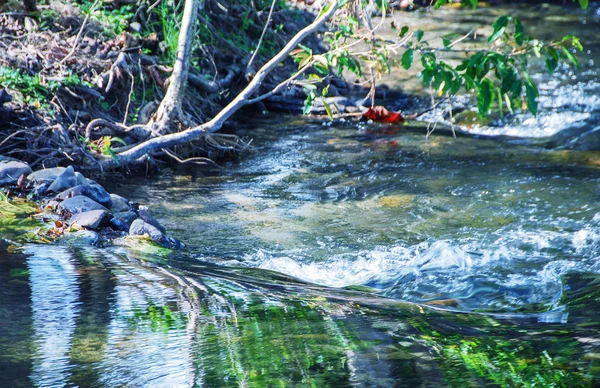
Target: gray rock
93	219
119	204
118	224
64	181
145	215
135	27
139	228
10	171
79	204
93	191
128	217
81	180
46	175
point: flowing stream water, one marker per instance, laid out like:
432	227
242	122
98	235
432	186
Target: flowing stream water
341	255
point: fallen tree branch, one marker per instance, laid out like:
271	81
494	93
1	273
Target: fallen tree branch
242	99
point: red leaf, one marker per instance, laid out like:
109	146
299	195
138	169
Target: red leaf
382	115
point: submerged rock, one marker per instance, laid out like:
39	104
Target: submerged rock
93	191
81	238
139	228
79	204
11	171
92	219
64	181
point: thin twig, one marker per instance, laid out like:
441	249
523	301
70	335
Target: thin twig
262	35
76	43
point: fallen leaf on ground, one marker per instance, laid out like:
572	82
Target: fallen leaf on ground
382	115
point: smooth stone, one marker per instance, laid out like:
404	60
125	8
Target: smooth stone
64	181
46	175
145	215
93	219
139	228
135	27
81	180
128	217
93	191
11	171
119	204
118	224
79	204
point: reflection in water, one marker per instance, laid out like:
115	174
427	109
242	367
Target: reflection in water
54	301
118	321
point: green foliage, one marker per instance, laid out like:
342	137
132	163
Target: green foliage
104	146
168	20
35	89
503	363
497	74
113	21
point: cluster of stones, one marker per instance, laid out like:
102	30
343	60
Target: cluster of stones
83	202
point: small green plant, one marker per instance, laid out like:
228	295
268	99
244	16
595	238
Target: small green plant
168	16
113	21
104	146
34	89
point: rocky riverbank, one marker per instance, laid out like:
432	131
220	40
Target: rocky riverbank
77	203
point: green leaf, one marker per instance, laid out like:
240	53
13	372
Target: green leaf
499	27
428	61
519	32
484	97
113	155
531	91
570	57
308	103
407	59
584	3
551	59
328	110
382	4
419	35
325	10
446	42
118	140
427	75
403	31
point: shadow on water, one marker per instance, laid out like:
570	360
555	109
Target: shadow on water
85	317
